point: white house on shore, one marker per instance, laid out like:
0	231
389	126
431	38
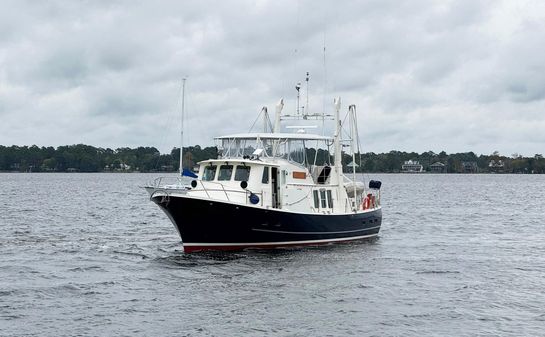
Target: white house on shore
412	166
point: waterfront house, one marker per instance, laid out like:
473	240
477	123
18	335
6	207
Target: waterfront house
438	167
412	166
496	166
469	167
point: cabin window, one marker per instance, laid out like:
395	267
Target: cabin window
209	173
242	173
225	172
329	199
316	200
322	198
265	178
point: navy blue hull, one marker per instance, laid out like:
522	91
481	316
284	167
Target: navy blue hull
205	224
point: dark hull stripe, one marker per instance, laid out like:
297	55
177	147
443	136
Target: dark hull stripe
195	247
307	233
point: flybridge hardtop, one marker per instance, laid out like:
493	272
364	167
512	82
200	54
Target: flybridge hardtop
266	189
291	146
301	136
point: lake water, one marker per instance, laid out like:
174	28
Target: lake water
89	254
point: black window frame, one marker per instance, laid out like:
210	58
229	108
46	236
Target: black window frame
265	177
220	178
209	168
322	199
329	199
247	174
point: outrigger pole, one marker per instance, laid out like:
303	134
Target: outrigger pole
182	129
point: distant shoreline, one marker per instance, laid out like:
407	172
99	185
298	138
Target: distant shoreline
174	172
89	159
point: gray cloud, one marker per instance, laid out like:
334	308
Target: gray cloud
426	75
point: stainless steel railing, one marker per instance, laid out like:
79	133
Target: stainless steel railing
226	192
164	184
169	181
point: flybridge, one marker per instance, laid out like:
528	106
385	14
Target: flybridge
275	136
290	146
276	144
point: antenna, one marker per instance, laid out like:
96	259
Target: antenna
325	89
298	88
306	80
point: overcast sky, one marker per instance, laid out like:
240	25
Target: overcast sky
425	75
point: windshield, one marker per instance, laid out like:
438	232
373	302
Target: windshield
242	173
294	150
209	172
225	172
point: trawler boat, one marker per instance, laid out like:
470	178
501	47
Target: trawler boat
265	191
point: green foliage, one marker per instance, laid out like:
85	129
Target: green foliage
86	158
392	161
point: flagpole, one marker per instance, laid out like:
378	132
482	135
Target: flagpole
182	129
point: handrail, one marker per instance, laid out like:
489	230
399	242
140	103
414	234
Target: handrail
223	188
159	184
164	181
204	188
215	182
227	191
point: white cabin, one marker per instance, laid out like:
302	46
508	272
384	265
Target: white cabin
273	167
271	170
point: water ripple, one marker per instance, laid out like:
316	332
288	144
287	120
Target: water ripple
88	254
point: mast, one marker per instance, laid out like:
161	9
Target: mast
182	129
277	118
277	115
266	120
306	106
298	88
337	142
352	109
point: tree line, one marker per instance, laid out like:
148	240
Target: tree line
466	162
86	158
